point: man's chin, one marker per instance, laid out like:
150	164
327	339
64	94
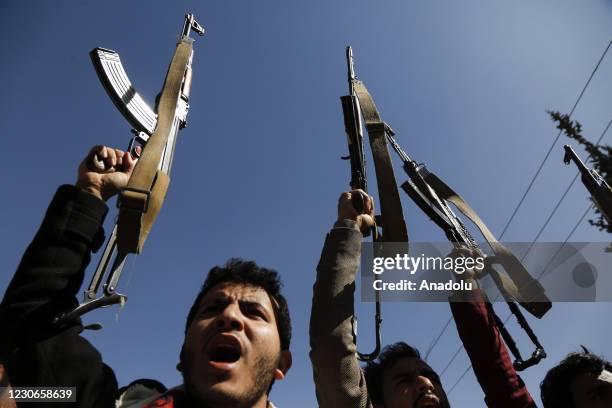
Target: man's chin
222	393
220	388
428	401
213	374
227	384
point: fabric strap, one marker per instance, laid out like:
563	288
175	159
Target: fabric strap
393	224
521	285
140	202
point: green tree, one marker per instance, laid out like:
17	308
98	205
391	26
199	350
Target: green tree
600	158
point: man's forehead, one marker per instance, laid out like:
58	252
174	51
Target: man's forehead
407	365
235	291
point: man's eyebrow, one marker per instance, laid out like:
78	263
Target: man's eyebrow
413	373
216	300
221	297
253	303
404	374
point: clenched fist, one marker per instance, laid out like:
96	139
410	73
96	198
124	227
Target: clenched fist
105	171
347	210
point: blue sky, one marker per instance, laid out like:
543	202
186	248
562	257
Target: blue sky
465	85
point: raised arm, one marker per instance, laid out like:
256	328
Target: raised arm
338	379
48	279
491	362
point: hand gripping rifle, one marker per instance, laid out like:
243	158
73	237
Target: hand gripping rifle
156	133
601	192
391	218
432	196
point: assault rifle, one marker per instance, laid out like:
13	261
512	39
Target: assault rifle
155	132
601	192
354	133
391	218
432	196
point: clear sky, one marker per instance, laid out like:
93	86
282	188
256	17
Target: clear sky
257	173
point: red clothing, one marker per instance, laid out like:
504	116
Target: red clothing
177	398
174	398
491	362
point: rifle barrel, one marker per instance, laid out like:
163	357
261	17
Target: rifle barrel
351	69
570	155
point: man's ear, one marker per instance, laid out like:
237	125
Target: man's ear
179	365
283	365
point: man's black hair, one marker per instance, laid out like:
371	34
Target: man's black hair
373	371
248	273
556	390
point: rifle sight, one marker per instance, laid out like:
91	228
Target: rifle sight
190	22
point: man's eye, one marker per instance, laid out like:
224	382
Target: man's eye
404	381
256	312
211	309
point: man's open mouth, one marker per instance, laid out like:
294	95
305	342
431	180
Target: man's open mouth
224	349
224	354
427	401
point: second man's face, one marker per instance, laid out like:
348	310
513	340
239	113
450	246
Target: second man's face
411	383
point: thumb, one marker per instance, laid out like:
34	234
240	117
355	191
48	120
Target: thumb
365	222
130	161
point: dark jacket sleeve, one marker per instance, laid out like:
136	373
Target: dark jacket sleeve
502	386
46	284
339	381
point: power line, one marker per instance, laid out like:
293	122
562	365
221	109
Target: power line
459	380
564	194
564	242
435	341
439	336
553	144
450	361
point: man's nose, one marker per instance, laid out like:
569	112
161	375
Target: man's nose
424	384
230	318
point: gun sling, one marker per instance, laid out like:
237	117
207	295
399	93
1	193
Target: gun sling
522	286
393	224
140	202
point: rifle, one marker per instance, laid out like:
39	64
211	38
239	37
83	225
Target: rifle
354	133
431	195
391	218
601	192
424	188
155	131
